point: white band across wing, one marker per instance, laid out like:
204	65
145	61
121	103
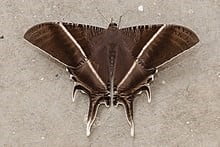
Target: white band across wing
72	38
142	51
151	40
82	52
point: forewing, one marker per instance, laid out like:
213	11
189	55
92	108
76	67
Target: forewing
72	45
137	36
85	36
153	46
57	39
156	44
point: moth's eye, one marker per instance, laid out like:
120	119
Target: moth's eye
113	25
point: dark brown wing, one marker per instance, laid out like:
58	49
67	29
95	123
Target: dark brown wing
136	37
74	45
158	43
152	46
53	39
71	44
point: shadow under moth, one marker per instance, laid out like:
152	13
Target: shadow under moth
111	65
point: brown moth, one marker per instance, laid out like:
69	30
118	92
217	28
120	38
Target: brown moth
111	65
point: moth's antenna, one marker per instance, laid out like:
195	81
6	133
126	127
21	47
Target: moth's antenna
119	22
112	20
102	15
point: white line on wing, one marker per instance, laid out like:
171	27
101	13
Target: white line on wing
142	51
82	52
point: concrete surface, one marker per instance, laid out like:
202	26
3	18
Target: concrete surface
35	91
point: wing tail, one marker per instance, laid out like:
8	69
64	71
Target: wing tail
95	102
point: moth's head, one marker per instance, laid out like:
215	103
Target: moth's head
112	25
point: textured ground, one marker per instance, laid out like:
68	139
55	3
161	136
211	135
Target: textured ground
35	91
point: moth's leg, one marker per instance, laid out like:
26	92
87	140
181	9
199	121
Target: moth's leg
74	91
128	106
147	91
75	83
77	87
139	93
146	87
83	92
67	69
72	77
151	77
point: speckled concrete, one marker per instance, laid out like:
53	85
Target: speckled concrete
35	91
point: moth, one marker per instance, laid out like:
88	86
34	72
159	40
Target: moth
111	65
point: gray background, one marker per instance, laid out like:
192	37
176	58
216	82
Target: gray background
35	91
